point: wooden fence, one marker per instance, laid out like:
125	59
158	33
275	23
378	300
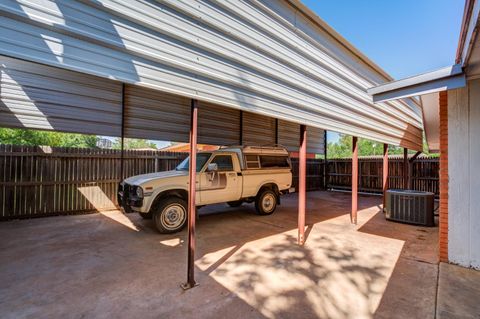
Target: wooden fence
423	174
315	176
43	181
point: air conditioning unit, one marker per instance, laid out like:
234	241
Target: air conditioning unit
409	206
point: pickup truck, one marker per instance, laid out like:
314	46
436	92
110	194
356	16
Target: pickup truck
232	175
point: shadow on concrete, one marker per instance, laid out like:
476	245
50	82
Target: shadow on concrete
248	266
411	290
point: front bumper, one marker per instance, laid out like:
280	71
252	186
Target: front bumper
126	197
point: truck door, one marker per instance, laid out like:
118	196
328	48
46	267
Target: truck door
224	185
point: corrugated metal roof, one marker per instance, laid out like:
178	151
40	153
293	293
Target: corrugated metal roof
47	98
265	57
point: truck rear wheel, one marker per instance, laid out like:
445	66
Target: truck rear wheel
266	202
170	215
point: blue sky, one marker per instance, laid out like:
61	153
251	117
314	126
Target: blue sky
404	37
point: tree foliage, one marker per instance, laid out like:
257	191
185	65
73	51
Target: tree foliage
343	148
45	138
133	143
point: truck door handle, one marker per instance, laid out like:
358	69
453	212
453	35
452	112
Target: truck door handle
231	174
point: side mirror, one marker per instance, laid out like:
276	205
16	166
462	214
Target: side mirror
212	167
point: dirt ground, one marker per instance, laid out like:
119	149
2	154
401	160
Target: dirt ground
109	264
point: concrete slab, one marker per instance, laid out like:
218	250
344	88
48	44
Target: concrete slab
458	292
248	266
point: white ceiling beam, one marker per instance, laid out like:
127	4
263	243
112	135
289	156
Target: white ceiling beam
448	78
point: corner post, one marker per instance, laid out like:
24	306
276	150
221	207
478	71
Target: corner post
353	214
385	172
302	177
192	177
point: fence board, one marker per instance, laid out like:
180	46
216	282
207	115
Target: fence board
424	174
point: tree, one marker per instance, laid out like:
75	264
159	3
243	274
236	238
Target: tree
45	138
343	148
133	143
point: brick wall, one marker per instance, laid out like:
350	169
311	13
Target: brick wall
443	211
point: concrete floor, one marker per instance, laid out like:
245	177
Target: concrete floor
458	293
114	265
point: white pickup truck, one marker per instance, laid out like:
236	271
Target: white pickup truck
232	175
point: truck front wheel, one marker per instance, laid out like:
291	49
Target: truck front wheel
266	202
170	215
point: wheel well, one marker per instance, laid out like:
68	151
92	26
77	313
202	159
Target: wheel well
271	186
180	193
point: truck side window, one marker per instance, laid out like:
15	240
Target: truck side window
274	161
224	162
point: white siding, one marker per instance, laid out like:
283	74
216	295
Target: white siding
464	175
264	57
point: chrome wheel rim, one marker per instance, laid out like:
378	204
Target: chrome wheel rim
268	203
173	216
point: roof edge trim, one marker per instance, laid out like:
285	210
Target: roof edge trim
337	36
448	78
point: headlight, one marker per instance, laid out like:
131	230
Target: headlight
139	192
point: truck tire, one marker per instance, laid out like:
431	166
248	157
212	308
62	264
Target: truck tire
266	202
170	215
236	203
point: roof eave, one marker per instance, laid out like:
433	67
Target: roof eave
448	78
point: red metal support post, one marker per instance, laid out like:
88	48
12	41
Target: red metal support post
405	168
302	182
353	214
385	172
192	177
411	172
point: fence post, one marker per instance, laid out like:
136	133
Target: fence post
410	169
405	168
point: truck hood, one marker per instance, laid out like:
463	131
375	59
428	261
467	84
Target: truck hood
142	179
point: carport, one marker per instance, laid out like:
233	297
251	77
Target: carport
269	72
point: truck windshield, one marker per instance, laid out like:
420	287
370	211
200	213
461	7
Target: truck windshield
202	158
